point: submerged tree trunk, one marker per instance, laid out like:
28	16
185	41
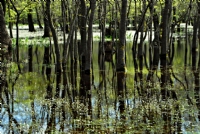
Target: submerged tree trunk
82	46
121	66
88	56
30	58
164	46
141	47
166	110
155	48
5	50
57	50
195	53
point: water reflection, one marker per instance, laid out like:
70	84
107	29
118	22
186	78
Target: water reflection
38	100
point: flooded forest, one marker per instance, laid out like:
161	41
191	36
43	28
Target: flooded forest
99	66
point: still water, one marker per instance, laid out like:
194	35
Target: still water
29	103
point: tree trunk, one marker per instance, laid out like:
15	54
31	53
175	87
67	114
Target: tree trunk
82	26
4	6
121	67
46	23
155	47
196	70
55	38
57	51
30	22
5	41
88	56
10	23
38	18
164	46
30	58
164	64
5	50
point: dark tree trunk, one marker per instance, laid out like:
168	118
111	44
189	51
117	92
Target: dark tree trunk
88	56
194	39
55	38
57	50
46	24
30	22
82	46
17	42
46	28
141	47
155	45
10	23
30	58
195	53
164	47
165	111
121	67
4	6
5	41
38	18
5	50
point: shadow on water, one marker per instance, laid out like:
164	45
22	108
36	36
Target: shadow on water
39	100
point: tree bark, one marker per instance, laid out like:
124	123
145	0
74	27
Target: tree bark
4	6
82	26
46	23
5	50
121	67
38	18
57	50
89	56
30	22
55	38
164	47
10	23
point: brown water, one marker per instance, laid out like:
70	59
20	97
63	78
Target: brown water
29	103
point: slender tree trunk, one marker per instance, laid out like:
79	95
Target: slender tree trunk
10	23
75	60
121	67
55	38
155	45
30	58
164	46
57	50
101	52
82	26
141	47
89	41
89	54
17	42
38	18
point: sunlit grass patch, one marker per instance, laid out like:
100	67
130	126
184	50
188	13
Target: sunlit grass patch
31	41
